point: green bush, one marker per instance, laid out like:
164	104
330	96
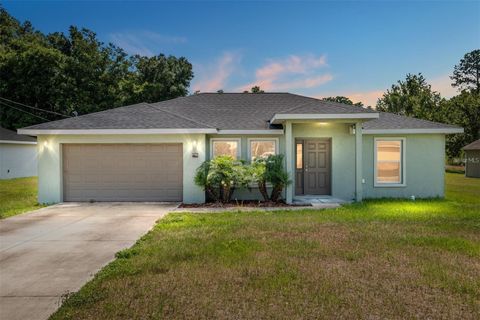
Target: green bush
221	176
276	175
258	170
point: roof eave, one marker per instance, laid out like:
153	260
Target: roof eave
37	132
414	131
280	117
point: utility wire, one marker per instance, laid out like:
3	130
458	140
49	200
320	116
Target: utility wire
34	108
40	117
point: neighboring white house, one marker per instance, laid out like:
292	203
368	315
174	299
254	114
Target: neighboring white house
18	155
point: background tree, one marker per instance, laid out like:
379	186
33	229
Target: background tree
342	99
70	72
256	89
462	110
466	74
412	97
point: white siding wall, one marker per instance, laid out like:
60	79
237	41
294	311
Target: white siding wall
18	160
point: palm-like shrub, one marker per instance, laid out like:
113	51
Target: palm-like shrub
220	176
258	175
276	175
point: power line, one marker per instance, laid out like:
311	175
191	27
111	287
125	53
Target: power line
40	117
34	108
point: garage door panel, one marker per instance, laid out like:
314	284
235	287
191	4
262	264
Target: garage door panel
123	172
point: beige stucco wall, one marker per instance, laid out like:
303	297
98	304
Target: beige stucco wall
424	167
50	179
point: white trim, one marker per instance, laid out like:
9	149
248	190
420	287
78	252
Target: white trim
249	146
239	145
317	116
271	131
35	132
413	131
403	165
17	142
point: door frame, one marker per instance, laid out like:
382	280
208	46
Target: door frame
300	189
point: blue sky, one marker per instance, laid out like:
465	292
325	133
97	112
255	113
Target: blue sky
355	48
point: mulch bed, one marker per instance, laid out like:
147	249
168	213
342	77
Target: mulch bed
233	204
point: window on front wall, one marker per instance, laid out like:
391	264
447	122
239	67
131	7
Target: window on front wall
262	148
225	148
389	166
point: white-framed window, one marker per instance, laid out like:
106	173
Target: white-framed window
225	147
389	158
262	147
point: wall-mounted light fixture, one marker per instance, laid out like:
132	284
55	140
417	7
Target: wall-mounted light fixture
194	149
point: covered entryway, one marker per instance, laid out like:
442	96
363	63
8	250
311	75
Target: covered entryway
122	172
313	167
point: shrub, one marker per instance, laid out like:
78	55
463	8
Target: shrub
220	176
258	175
276	175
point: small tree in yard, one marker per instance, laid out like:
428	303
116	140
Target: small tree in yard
276	175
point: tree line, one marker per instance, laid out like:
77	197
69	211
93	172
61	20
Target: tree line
74	73
414	97
59	75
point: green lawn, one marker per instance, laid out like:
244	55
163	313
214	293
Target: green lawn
378	260
18	196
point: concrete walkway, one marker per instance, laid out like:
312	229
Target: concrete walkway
52	251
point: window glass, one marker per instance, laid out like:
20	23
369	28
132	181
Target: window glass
299	164
261	148
225	148
389	161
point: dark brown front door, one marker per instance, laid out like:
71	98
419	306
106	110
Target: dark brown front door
317	168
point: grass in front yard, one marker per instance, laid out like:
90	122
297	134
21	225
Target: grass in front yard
379	259
17	196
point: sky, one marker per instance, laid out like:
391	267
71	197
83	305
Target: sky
326	48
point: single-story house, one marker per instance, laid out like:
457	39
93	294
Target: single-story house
150	151
472	159
18	155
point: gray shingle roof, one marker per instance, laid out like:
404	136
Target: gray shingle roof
224	111
394	121
475	145
137	116
9	135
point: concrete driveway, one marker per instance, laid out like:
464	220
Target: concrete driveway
52	251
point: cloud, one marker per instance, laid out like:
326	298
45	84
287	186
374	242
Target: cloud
142	42
293	72
215	76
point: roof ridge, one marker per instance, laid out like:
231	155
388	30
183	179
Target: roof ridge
179	116
298	106
322	101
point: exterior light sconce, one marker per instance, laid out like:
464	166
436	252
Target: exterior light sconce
194	150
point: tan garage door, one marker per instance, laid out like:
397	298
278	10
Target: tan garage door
122	172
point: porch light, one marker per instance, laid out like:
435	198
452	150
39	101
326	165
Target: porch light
194	149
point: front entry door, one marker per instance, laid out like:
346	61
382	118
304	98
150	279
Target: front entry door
317	172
